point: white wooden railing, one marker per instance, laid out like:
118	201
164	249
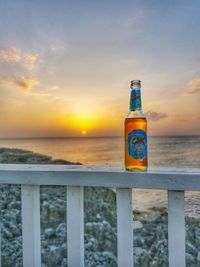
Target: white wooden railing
31	177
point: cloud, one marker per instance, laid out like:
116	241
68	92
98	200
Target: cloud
55	88
23	83
13	54
155	116
193	86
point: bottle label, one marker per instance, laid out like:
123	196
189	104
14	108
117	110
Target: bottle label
135	99
137	144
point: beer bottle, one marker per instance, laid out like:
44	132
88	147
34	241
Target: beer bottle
135	132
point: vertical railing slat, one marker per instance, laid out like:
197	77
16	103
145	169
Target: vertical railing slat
176	229
31	225
0	241
75	226
124	227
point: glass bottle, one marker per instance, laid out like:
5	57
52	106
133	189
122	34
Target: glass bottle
135	132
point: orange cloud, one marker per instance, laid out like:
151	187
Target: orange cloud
13	54
193	86
24	83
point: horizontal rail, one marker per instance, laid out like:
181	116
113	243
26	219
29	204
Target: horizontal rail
166	179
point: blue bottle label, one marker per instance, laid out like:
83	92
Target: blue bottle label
137	144
135	99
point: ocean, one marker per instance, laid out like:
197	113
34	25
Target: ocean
169	151
181	151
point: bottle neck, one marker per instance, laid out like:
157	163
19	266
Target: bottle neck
135	99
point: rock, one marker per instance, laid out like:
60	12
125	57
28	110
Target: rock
45	209
14	205
91	245
7	233
49	232
11	216
108	257
64	262
161	210
138	251
142	258
100	259
137	241
161	232
53	256
146	215
191	249
15	230
61	231
190	259
64	249
137	225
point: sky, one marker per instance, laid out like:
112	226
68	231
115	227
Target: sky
65	66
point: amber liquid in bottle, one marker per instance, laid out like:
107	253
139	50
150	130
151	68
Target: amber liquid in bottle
131	163
135	133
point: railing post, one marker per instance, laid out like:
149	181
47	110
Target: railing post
124	228
176	229
31	225
75	226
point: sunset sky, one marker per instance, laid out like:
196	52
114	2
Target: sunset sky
65	66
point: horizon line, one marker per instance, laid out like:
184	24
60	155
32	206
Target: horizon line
94	136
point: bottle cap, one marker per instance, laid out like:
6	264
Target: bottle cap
136	83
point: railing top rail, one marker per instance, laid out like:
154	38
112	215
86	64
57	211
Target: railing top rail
91	168
158	178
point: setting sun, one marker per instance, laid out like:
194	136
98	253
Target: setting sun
83	132
82	122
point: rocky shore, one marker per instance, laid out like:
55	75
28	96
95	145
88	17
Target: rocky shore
13	155
150	228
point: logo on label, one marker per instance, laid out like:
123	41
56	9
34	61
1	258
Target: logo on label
137	144
135	100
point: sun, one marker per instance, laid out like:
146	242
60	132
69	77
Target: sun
83	132
82	122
